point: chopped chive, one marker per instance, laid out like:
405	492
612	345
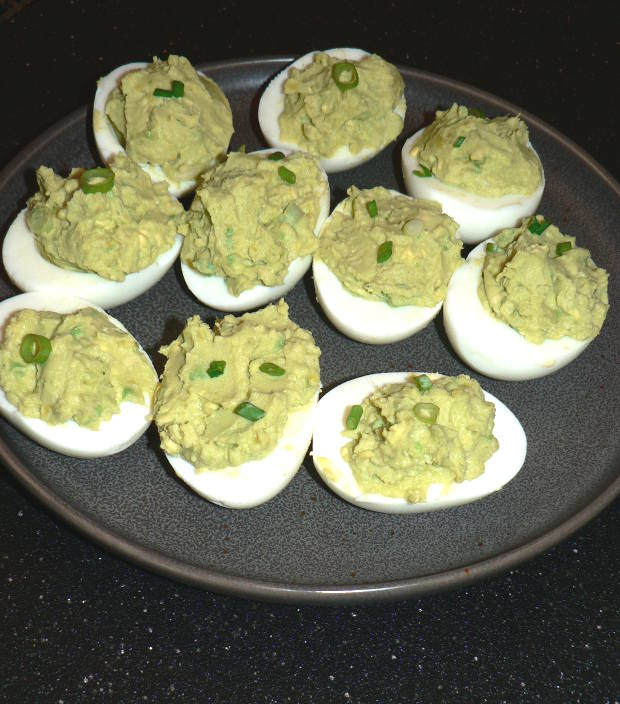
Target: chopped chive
286	175
271	369
423	383
562	247
372	208
354	417
476	112
345	75
493	248
384	252
216	368
178	89
458	142
276	156
536	227
162	93
35	349
97	180
249	411
424	173
426	412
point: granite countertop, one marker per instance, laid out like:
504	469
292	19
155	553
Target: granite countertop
81	624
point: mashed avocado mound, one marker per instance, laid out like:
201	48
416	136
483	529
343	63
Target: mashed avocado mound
320	117
252	216
488	157
391	248
539	282
111	234
185	134
93	366
226	394
408	439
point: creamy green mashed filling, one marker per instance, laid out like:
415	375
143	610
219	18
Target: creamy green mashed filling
398	449
183	135
543	285
111	234
424	250
260	358
488	157
252	216
93	366
320	118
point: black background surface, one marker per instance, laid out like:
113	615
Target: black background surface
79	624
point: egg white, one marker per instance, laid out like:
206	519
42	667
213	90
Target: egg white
372	322
113	435
213	292
30	271
328	441
271	106
478	217
489	345
254	482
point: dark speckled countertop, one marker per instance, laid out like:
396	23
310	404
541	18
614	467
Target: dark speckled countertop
80	624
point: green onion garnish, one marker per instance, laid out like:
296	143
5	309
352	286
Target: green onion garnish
423	383
562	247
249	411
177	91
536	227
475	112
97	180
216	368
384	252
271	369
493	248
424	173
458	142
345	75
286	175
35	349
162	93
275	156
372	208
354	417
426	412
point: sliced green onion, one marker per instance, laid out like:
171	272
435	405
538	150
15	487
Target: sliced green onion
475	112
424	173
426	412
493	248
162	93
275	156
458	142
562	247
384	252
536	227
35	349
178	89
354	417
249	411
272	369
292	213
97	180
216	368
372	208
345	75
286	175
423	383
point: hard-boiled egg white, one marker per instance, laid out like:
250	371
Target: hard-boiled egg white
252	483
373	322
489	345
30	271
271	106
329	423
213	292
113	435
478	217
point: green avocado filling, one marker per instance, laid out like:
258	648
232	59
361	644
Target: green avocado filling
183	134
325	108
93	366
111	233
541	287
247	222
401	251
408	439
238	416
488	157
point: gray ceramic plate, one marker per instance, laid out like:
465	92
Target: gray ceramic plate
307	544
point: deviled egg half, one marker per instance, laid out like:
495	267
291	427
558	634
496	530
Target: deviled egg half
251	230
344	105
234	405
525	303
410	443
484	172
383	264
71	376
105	235
173	121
